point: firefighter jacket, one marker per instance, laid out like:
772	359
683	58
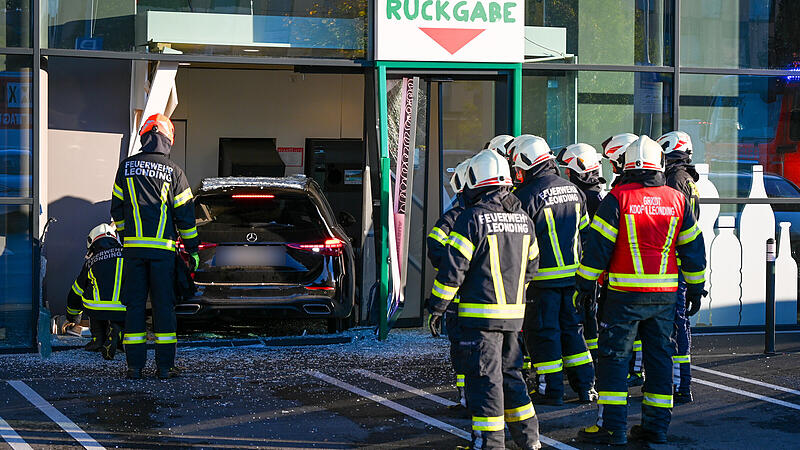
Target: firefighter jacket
682	176
440	233
491	256
636	236
99	284
558	210
152	202
591	184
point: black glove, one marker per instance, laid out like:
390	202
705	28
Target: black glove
579	299
693	302
435	323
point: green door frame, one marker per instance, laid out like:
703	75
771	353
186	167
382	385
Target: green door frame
385	163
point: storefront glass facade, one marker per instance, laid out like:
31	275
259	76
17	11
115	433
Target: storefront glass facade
725	71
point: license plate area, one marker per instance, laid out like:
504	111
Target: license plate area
250	256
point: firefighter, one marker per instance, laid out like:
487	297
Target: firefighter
681	175
583	169
97	289
639	231
491	307
437	247
499	143
553	328
152	206
614	149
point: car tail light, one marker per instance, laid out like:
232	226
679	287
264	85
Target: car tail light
320	288
252	196
328	247
206	246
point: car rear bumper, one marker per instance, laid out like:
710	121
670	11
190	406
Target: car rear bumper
296	302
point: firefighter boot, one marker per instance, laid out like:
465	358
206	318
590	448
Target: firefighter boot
599	435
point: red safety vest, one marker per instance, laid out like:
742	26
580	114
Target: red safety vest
650	219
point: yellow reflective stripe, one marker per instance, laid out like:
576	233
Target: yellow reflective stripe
591	344
612	398
633	241
137	220
443	291
191	233
182	198
460	377
162	219
166	338
134	338
438	235
103	306
487	311
686	236
522	269
488	423
585	221
77	289
657	400
462	244
551	231
682	359
577	359
95	288
637	346
552	273
589	273
73	312
524	412
604	228
117	280
548	366
533	252
497	274
673	224
140	242
694	277
576	240
642	280
120	224
118	192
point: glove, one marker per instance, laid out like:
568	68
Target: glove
579	299
195	261
435	323
693	302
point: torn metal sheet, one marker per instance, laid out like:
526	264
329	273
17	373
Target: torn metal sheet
298	182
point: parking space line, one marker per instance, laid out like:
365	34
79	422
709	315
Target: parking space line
443	401
747	380
405	387
747	394
395	406
56	416
11	437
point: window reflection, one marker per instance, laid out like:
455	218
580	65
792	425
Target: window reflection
16	276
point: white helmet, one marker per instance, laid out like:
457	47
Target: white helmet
615	146
498	144
515	143
103	230
532	152
488	168
676	141
580	158
644	153
459	178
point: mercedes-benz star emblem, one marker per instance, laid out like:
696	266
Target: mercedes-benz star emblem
252	237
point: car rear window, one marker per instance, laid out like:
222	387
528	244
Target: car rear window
284	216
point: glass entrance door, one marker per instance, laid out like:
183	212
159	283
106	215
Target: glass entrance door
456	117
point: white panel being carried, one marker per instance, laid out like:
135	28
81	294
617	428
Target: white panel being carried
785	280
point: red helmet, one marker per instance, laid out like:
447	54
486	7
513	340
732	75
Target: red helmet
161	124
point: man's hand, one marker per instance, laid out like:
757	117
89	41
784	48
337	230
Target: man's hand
194	261
435	323
580	299
693	302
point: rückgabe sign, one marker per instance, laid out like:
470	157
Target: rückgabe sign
450	31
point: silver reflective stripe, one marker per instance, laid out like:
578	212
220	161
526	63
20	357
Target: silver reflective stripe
568	270
488	312
586	357
650	399
112	306
526	411
667	279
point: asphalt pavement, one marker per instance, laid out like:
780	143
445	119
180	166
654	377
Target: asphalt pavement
356	392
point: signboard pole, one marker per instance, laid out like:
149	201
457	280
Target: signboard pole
383	128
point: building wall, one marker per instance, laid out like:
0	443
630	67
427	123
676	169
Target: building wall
277	104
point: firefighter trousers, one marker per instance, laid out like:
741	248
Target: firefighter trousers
590	324
625	313
554	336
454	334
156	276
496	393
682	361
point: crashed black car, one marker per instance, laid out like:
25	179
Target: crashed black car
271	248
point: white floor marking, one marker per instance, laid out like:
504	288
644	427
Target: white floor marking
445	402
741	333
747	394
56	416
11	437
746	380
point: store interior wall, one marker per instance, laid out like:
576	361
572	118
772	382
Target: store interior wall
88	125
252	103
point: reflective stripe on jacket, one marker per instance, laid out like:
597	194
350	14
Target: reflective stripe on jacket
99	285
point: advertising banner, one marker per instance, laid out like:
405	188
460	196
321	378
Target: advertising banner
401	198
450	30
